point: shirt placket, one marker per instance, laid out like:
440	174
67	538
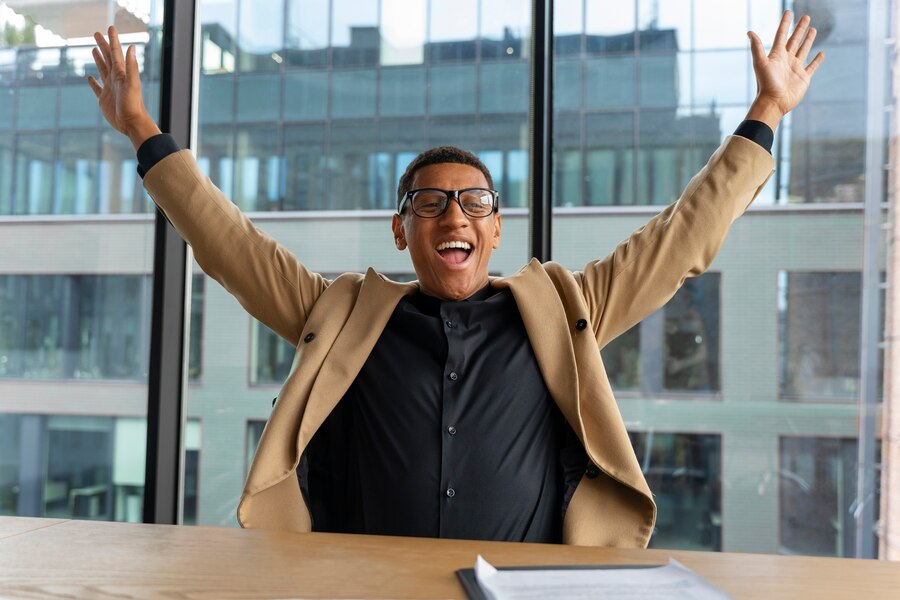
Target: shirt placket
449	409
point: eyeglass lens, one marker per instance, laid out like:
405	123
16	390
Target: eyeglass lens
474	202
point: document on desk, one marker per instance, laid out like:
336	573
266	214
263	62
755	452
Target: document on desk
664	582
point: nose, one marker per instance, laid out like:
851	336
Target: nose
454	214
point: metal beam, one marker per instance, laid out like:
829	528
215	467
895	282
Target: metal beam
870	325
169	324
541	129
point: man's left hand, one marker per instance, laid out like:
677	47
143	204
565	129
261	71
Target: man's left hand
782	77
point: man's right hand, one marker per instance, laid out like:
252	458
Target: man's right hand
120	94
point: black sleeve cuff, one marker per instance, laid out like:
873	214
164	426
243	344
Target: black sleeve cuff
757	131
154	150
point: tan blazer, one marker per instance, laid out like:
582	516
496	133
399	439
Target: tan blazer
335	325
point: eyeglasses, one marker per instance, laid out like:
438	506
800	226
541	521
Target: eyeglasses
429	203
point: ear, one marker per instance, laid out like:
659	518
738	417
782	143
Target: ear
496	240
399	236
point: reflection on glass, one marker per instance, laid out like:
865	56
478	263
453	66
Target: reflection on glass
195	348
608	17
74	292
270	358
817	496
74	326
692	336
685	473
819	334
622	359
306	38
254	434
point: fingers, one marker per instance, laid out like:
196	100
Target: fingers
783	28
101	63
756	49
95	87
104	50
799	31
116	59
811	67
131	66
807	45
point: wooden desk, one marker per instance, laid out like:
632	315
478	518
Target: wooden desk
85	559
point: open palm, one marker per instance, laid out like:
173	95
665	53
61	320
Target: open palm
782	75
119	95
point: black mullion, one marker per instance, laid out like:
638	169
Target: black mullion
165	405
541	129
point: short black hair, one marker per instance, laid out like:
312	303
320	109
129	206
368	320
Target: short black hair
437	156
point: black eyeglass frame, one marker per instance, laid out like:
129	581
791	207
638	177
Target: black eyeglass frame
495	205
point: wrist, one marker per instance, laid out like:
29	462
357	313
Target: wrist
141	130
767	111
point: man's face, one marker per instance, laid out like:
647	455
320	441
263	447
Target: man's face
448	273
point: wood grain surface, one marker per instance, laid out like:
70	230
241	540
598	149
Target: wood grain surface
85	559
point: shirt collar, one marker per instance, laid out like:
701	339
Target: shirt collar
431	305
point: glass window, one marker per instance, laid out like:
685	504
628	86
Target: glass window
74	326
609	82
74	291
402	91
305	95
817	496
195	350
306	38
355	36
254	434
685	473
692	336
452	89
504	87
260	35
259	98
271	357
353	93
819	316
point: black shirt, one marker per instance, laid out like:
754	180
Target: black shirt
447	431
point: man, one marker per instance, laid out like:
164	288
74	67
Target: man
458	405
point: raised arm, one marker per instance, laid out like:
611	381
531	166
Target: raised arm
646	269
268	281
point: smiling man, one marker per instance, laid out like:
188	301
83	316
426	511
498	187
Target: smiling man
457	405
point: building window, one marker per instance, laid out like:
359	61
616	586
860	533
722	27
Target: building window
819	341
675	349
74	326
195	349
254	434
817	496
684	470
270	356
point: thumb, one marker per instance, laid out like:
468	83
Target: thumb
756	49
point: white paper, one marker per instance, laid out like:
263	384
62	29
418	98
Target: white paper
673	581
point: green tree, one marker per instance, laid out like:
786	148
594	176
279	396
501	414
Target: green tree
18	36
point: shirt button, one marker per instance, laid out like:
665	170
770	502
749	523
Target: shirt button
580	324
451	430
453	376
309	337
449	324
451	492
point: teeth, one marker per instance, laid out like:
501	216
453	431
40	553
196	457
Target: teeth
460	245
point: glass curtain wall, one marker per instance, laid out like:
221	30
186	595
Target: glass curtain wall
750	375
76	254
309	112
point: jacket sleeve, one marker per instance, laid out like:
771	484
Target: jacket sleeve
267	279
646	269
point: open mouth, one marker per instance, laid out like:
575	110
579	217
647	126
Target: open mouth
455	253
